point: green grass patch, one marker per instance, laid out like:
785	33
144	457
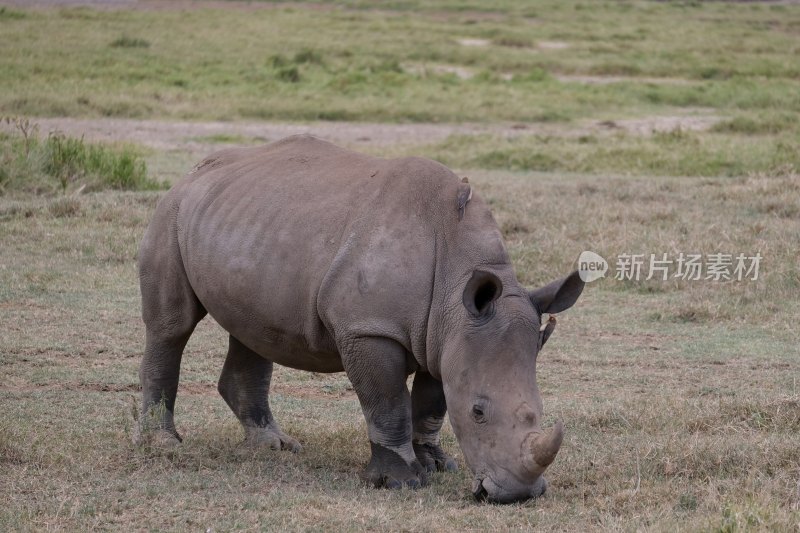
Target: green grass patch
225	138
670	153
7	13
775	123
268	63
44	165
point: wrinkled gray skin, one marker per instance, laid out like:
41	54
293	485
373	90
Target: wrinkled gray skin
322	259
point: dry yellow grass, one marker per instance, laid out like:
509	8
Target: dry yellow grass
681	400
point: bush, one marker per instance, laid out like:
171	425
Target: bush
32	164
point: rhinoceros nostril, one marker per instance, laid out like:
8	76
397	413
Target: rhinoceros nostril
479	491
525	415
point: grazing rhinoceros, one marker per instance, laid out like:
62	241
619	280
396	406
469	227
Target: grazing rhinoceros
322	259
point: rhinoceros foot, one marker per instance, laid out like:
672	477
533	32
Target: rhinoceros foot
433	458
270	437
158	438
387	469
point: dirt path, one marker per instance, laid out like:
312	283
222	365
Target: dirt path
199	138
176	135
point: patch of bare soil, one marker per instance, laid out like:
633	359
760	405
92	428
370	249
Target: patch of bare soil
470	16
698	121
552	45
463	73
25	388
606	80
473	42
199	138
314	392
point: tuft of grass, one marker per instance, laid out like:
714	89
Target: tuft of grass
64	207
514	41
226	138
129	42
290	73
536	74
58	162
308	55
7	13
759	125
11	450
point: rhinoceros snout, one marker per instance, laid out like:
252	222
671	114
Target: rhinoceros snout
539	449
486	490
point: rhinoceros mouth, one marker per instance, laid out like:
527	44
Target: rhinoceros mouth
478	490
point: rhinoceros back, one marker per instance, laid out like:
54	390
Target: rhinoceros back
294	244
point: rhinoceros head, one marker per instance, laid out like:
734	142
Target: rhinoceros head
489	375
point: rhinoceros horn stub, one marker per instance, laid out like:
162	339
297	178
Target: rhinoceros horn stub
540	449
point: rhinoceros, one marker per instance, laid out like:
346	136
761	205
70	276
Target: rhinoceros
322	259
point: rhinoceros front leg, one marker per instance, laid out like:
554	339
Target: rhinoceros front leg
377	369
244	384
428	409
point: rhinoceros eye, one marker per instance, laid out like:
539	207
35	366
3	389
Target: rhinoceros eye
477	414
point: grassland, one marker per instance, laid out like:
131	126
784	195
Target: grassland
537	63
680	398
291	63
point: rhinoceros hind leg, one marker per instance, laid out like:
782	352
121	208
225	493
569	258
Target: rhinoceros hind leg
428	408
170	310
377	369
158	374
244	385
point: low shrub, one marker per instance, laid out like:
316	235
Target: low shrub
41	165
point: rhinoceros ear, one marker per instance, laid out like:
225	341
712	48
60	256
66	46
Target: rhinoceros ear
481	291
559	295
